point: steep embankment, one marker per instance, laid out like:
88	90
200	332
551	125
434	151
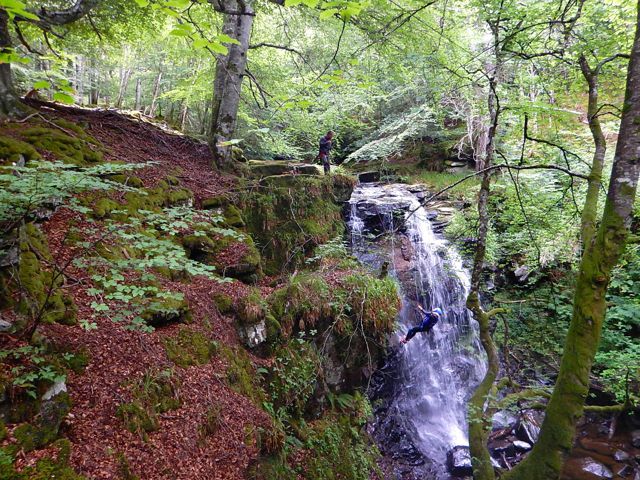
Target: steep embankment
143	294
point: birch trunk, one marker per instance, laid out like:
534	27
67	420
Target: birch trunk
138	94
156	92
589	303
230	71
124	83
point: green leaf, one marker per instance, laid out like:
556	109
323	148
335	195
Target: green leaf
62	98
41	85
218	48
326	14
142	3
223	38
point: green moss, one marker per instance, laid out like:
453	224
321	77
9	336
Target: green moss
214	202
153	394
45	468
290	216
104	206
171	180
129	180
12	150
167	310
136	418
68	149
45	427
233	217
223	302
251	308
40	288
189	348
3	430
241	374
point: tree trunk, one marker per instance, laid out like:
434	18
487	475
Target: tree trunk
10	104
479	423
156	92
590	210
228	80
138	94
124	83
184	111
94	93
79	80
589	304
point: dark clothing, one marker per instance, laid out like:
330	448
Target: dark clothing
325	145
325	148
428	321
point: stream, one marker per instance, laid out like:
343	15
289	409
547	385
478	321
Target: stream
419	395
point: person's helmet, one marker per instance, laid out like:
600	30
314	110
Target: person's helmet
438	311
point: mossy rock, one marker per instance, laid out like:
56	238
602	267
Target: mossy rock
45	427
103	207
268	168
189	348
67	149
252	308
128	180
167	310
290	217
41	289
214	202
223	302
241	374
13	151
233	217
206	248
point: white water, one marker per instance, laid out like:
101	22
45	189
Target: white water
440	369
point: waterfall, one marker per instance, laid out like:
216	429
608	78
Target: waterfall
436	372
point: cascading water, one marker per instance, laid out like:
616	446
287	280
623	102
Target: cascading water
435	373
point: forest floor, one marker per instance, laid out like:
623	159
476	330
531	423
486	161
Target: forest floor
101	447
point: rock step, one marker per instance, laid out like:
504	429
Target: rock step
267	168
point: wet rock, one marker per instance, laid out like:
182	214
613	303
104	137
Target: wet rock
503	419
522	273
254	335
596	469
459	461
621	456
522	446
5	326
528	428
369	177
624	471
635	438
502	446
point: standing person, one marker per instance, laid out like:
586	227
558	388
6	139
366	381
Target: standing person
429	319
325	148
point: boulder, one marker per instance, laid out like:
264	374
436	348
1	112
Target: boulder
254	335
621	456
522	446
595	469
502	446
259	168
528	428
459	461
522	273
635	438
369	177
5	326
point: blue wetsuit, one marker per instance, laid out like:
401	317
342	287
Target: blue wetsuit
429	319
